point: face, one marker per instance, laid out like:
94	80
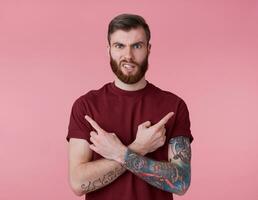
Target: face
129	53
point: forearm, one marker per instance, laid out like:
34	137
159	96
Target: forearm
163	175
94	175
97	174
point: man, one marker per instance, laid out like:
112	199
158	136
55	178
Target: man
129	139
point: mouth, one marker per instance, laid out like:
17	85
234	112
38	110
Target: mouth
129	67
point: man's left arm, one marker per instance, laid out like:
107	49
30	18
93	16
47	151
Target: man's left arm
173	176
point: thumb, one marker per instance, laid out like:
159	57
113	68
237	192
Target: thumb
146	124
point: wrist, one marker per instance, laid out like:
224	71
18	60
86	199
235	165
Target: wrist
137	148
121	156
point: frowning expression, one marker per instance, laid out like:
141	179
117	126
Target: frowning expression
129	53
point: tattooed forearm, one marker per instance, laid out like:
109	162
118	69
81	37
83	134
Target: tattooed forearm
163	175
169	176
103	181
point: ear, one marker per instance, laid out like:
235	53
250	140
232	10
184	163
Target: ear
108	49
149	48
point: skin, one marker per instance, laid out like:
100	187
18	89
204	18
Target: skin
82	171
86	175
172	176
109	146
129	46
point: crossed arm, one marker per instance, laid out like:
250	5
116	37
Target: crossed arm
172	176
85	175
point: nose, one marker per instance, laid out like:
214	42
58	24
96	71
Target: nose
128	53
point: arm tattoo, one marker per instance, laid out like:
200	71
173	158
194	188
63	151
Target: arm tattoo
103	181
180	147
170	176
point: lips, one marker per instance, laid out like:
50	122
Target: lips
128	65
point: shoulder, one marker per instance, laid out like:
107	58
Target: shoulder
90	96
169	96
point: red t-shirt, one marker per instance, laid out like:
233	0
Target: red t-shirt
120	111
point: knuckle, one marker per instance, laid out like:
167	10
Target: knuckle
148	123
92	133
159	134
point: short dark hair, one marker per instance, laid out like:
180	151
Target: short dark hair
127	22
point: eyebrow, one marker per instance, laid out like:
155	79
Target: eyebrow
139	42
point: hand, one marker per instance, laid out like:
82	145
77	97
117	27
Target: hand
150	138
106	144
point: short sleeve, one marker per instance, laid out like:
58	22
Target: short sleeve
78	125
182	122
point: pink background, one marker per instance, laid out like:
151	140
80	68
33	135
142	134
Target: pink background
51	52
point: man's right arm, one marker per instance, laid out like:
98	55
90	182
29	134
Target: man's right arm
85	175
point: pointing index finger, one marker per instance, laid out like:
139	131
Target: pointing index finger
94	124
164	120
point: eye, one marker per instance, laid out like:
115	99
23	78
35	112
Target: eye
137	46
119	46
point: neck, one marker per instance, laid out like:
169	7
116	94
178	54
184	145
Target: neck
131	87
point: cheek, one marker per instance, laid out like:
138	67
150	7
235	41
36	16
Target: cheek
115	55
140	57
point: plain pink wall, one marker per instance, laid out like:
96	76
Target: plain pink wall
51	52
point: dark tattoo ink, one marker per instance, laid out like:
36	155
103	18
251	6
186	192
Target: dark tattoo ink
86	188
167	176
180	147
103	181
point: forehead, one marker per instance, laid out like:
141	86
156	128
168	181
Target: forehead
128	37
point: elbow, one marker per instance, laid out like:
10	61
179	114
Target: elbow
181	192
183	187
78	186
78	193
77	189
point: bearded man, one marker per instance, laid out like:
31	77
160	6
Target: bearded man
129	139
